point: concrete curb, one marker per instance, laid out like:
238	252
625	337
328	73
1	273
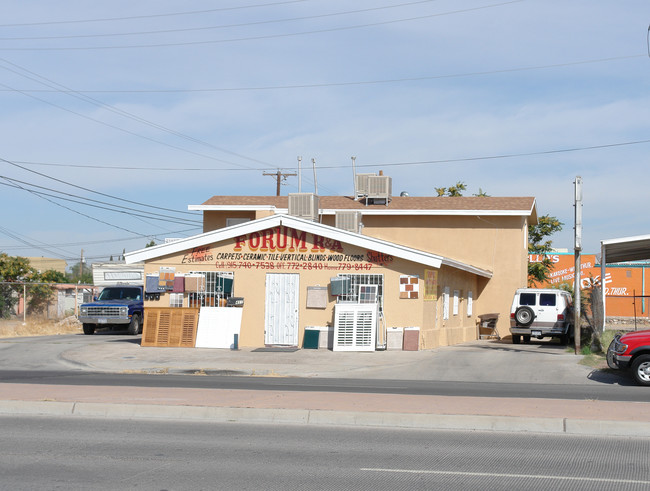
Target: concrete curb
571	426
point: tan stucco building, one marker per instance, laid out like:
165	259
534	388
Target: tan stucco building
431	263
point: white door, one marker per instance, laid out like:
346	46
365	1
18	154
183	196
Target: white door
281	316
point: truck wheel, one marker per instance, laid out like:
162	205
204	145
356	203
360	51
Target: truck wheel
641	369
516	339
524	316
89	329
526	338
134	326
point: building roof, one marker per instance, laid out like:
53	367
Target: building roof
398	205
326	231
625	249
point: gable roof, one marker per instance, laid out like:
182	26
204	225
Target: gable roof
398	205
326	231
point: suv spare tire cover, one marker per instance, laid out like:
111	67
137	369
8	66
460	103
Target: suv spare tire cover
524	316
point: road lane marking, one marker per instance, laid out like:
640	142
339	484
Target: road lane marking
493	474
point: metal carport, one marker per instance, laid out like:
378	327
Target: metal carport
619	250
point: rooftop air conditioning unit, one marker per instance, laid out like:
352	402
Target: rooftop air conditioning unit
379	188
348	220
304	205
361	185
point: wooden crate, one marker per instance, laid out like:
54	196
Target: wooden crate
173	327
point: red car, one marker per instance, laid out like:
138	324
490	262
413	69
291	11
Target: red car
631	351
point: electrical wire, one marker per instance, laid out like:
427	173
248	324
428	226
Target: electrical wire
151	16
261	37
337	84
111	207
47	82
93	191
223	26
377	164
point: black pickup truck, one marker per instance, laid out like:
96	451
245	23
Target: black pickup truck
120	306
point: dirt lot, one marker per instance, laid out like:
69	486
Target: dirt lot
39	327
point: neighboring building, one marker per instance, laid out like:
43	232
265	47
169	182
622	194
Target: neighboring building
42	264
429	263
626	283
113	272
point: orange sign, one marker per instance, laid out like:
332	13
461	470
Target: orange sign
622	282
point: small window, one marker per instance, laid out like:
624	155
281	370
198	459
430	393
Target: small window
527	299
547	299
236	221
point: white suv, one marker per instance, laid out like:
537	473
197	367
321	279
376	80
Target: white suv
541	312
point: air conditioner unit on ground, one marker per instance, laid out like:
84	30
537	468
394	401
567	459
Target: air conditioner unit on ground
348	220
304	205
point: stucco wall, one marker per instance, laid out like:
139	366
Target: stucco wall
495	243
498	244
250	283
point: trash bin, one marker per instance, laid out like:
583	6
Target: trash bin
310	340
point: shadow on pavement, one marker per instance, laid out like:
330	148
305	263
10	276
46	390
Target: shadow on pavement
611	377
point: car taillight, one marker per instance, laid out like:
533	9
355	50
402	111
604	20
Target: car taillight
560	317
512	315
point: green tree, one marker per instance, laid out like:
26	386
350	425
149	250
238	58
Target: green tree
538	243
52	276
40	295
453	191
81	273
481	193
150	244
12	269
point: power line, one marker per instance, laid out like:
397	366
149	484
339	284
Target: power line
110	207
149	16
377	164
47	82
223	26
261	37
93	191
336	84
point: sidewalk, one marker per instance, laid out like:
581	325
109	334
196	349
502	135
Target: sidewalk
332	408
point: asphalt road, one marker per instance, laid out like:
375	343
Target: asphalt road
104	454
603	392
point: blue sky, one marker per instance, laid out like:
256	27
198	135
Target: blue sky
118	115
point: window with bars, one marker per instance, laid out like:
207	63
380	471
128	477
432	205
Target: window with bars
359	290
212	288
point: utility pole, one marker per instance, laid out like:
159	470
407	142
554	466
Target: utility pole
279	178
578	248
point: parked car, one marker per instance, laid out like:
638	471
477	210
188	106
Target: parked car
120	306
631	351
541	313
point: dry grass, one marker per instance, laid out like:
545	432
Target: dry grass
39	327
